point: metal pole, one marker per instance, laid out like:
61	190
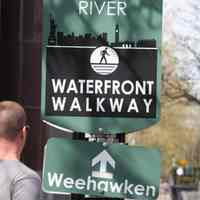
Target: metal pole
110	139
98	137
78	136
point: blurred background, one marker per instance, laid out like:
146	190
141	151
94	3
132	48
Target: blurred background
177	134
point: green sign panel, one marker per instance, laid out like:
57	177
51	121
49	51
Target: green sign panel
101	64
102	170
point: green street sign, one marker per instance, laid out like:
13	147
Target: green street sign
101	65
99	169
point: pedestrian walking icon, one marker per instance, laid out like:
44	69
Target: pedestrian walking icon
104	53
104	60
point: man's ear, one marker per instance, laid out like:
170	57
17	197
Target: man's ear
21	139
24	133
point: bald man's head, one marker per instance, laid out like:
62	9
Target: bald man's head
12	119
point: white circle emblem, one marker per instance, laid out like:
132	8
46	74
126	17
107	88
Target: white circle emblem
104	60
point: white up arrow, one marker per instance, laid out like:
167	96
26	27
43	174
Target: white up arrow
103	158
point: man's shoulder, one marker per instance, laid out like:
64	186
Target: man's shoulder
26	184
17	170
26	172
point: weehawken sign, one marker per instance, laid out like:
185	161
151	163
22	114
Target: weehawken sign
99	170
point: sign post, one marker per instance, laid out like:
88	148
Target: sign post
101	74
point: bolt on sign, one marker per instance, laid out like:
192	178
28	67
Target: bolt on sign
101	170
101	64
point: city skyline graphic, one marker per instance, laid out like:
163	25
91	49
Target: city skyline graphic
57	38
